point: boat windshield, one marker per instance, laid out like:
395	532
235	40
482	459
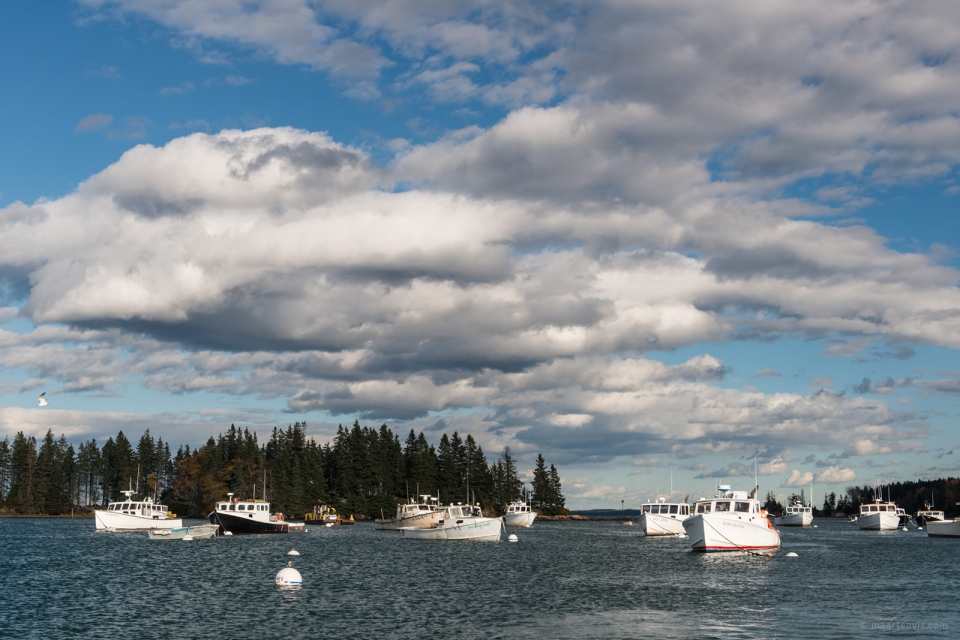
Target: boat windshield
722	506
704	507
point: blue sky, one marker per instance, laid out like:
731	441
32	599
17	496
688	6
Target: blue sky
636	238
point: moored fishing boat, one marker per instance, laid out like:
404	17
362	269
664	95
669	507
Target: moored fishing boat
239	517
135	515
662	518
519	514
731	521
425	513
928	514
796	515
198	532
879	516
460	522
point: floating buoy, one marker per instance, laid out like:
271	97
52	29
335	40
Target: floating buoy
769	555
288	577
187	538
815	527
293	552
228	533
329	524
629	523
904	528
791	555
512	538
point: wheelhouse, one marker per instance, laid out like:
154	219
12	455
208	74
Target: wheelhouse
666	509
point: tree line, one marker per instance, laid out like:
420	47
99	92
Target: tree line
911	496
364	471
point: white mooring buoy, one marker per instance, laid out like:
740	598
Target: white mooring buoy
512	538
905	529
228	533
288	577
791	555
293	552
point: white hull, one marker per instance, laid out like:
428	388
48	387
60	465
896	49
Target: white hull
943	528
655	525
200	532
713	532
879	521
478	529
418	520
520	519
794	520
119	521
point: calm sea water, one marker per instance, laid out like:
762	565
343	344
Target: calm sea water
60	579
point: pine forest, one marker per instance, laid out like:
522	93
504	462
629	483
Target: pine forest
364	472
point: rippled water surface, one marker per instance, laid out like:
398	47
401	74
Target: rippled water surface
60	579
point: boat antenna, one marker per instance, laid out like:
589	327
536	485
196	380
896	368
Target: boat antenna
671	481
755	482
138	479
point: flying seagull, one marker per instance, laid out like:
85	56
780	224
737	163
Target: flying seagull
43	401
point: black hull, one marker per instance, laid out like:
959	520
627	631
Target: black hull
238	525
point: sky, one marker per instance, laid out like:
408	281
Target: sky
661	243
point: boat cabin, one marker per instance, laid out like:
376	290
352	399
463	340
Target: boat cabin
145	508
666	509
427	504
728	501
877	507
244	505
518	507
797	509
463	511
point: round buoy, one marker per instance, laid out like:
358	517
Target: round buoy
791	555
288	577
329	524
187	538
815	527
228	533
293	552
769	555
512	538
904	528
629	523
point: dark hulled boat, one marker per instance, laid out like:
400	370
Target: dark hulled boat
240	517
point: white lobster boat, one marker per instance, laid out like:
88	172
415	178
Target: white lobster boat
519	514
426	513
460	522
135	515
796	515
662	518
731	521
943	528
879	516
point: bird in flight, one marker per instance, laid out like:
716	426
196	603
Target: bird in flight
43	401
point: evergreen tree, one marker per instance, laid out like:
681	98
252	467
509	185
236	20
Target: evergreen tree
4	471
23	474
542	498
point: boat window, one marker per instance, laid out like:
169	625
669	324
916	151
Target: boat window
883	507
703	507
233	507
241	507
722	506
646	508
742	507
673	508
126	505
